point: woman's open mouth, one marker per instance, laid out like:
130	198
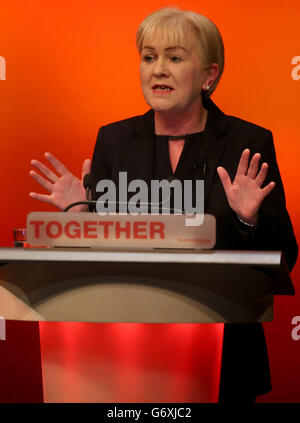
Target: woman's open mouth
162	89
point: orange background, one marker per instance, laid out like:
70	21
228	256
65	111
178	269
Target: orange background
72	66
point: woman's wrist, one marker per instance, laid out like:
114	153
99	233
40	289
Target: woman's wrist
248	222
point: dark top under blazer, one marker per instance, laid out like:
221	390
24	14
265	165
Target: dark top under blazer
128	146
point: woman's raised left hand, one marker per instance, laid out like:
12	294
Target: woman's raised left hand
245	194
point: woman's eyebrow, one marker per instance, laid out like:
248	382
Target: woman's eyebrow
175	48
166	49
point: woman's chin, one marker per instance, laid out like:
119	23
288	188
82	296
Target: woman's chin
162	108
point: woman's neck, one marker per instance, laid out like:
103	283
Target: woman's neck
180	124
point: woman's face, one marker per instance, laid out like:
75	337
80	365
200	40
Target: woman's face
172	77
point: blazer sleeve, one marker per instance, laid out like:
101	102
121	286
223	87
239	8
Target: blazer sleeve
101	161
274	229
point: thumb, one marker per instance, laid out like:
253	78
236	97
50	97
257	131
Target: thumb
86	167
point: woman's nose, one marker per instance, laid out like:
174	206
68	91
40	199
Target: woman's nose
160	67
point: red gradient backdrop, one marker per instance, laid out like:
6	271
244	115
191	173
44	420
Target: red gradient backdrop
72	66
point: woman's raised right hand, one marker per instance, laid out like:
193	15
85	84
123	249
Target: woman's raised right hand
64	188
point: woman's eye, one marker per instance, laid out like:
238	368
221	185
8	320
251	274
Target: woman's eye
148	58
175	59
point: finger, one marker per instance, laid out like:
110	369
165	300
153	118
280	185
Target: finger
261	176
41	197
58	166
86	167
45	170
267	189
42	181
253	167
243	163
225	179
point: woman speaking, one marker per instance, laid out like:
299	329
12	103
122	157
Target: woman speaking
186	136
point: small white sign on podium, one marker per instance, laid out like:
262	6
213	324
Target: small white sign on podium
57	229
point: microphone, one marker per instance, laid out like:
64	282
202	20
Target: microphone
88	182
89	203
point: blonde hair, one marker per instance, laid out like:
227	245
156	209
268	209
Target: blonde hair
176	25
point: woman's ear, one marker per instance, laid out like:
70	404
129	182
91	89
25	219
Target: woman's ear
213	72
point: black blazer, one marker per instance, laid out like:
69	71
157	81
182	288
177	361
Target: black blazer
128	146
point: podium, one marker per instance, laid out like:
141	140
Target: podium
175	288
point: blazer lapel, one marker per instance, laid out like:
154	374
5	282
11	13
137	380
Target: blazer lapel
141	152
213	145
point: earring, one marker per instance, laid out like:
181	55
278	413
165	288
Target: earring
207	87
